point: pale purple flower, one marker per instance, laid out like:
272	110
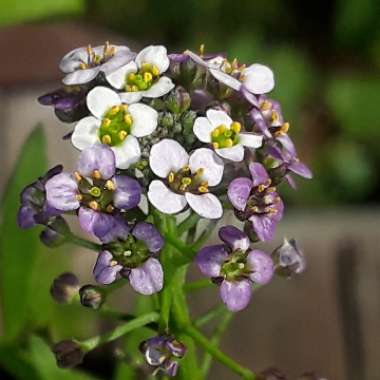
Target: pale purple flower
224	135
162	353
235	266
256	201
94	191
143	77
185	179
132	254
114	123
82	65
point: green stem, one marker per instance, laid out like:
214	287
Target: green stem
210	315
188	223
84	243
204	342
119	331
197	285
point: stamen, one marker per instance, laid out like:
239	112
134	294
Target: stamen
122	135
171	177
94	205
261	188
83	66
202	50
266	105
236	126
79	197
186	181
77	176
215	145
148	77
128	119
229	143
106	122
113	263
155	71
106	139
110	185
96	174
203	189
110	208
95	191
114	110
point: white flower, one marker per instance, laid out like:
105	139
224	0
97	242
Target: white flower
224	134
143	76
257	79
116	124
82	65
185	179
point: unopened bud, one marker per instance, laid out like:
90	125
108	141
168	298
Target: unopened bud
68	354
178	100
166	119
65	288
91	296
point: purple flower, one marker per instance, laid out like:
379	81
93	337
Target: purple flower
35	209
234	266
133	255
256	201
162	352
94	191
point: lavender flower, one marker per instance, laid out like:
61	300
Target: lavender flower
234	266
256	201
185	179
162	353
94	191
133	255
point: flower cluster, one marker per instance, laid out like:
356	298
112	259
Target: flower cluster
168	134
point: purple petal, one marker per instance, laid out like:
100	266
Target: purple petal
238	192
178	58
264	226
301	169
291	181
96	223
119	230
260	122
149	235
25	217
171	368
61	192
104	271
249	96
261	266
234	238
210	259
147	278
97	157
128	192
258	173
236	295
288	144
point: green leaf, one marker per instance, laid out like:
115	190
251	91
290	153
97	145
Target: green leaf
18	249
28	10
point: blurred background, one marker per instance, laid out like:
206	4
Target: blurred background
326	58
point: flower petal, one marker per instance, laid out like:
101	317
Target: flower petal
235	153
301	169
202	128
61	192
235	238
95	223
166	156
258	79
264	226
100	99
85	133
144	118
226	79
210	259
122	56
258	173
250	140
128	192
104	272
80	76
117	78
72	59
127	153
261	266
211	164
236	295
206	205
160	88
164	199
217	117
98	157
149	234
238	192
148	278
131	97
155	55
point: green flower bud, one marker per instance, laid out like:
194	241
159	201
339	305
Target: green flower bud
64	288
166	119
91	296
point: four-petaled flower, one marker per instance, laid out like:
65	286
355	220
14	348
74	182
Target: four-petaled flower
256	201
82	65
185	179
143	76
115	124
132	254
234	266
94	190
224	134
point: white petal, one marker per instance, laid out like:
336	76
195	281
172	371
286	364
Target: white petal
85	133
196	58
211	164
235	153
216	62
217	118
80	76
226	79
258	79
206	205
100	99
164	199
127	153
72	59
155	55
250	140
160	88
131	97
202	128
117	78
144	119
147	278
166	156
